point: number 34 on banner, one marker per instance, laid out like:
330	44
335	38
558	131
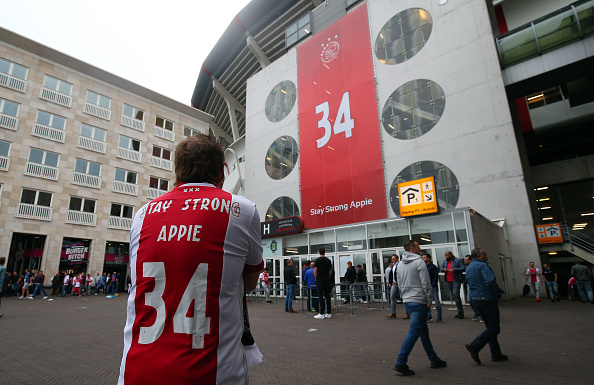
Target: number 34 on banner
342	123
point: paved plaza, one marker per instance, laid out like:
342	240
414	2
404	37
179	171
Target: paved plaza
79	341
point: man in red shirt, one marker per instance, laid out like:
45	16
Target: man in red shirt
193	252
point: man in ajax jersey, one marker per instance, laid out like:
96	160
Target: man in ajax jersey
193	252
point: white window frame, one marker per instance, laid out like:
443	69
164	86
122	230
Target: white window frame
51	120
130	142
11	69
193	131
161	155
36	203
82	204
127	172
94	130
45	152
98	99
135	110
57	89
2	104
87	167
121	210
165	123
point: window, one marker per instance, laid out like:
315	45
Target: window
86	167
82	204
189	131
298	30
126	176
57	85
281	157
4	148
282	207
34	197
93	132
133	112
13	69
9	108
280	101
550	96
98	100
129	143
159	183
122	211
50	120
403	36
44	157
162	153
164	123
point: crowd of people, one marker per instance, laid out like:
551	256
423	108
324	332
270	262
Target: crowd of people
31	284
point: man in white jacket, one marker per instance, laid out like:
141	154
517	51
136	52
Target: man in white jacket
415	288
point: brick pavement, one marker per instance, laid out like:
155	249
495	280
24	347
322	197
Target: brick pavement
79	341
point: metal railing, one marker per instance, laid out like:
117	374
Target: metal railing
582	241
132	123
562	27
42	171
81	218
154	193
86	180
119	223
55	97
125	188
161	163
48	132
12	82
131	155
4	163
165	134
10	122
29	211
95	110
91	144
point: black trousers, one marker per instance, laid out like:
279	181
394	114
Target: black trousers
324	290
490	313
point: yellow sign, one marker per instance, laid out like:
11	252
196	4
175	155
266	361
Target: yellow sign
549	233
417	197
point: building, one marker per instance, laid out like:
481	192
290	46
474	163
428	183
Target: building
331	104
80	151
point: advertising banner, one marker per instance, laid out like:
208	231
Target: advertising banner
342	177
75	254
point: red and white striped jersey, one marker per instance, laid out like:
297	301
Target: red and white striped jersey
188	250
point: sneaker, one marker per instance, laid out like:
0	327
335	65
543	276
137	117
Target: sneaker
482	320
95	293
365	302
29	297
438	319
45	297
21	297
473	353
538	300
499	358
460	316
391	316
404	370
328	315
406	317
292	311
438	364
319	316
429	319
478	318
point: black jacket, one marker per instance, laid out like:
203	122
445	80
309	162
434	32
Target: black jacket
350	275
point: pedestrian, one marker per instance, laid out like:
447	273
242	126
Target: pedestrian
433	277
312	289
415	287
264	279
387	274
350	276
550	277
114	283
38	281
485	293
2	280
13	280
291	285
26	284
89	283
322	274
453	268
65	284
533	276
394	291
129	283
56	281
362	284
477	315
97	281
583	276
196	250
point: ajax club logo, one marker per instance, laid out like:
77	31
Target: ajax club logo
330	50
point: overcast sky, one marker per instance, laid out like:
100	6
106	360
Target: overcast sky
158	44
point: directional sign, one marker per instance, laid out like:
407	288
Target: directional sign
417	197
549	233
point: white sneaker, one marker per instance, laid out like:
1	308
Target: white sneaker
21	297
328	316
29	297
319	316
364	302
45	297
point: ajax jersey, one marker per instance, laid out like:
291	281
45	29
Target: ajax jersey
188	251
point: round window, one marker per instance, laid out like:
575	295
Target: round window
413	109
280	101
281	157
403	36
446	183
281	208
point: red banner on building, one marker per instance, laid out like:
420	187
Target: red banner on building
342	178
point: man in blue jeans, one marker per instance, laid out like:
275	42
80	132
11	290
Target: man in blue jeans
415	288
291	285
484	291
433	276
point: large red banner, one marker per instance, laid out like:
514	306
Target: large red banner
342	179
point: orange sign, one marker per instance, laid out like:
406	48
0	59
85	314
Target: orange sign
549	233
417	197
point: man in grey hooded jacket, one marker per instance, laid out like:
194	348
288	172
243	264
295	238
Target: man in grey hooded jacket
415	288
